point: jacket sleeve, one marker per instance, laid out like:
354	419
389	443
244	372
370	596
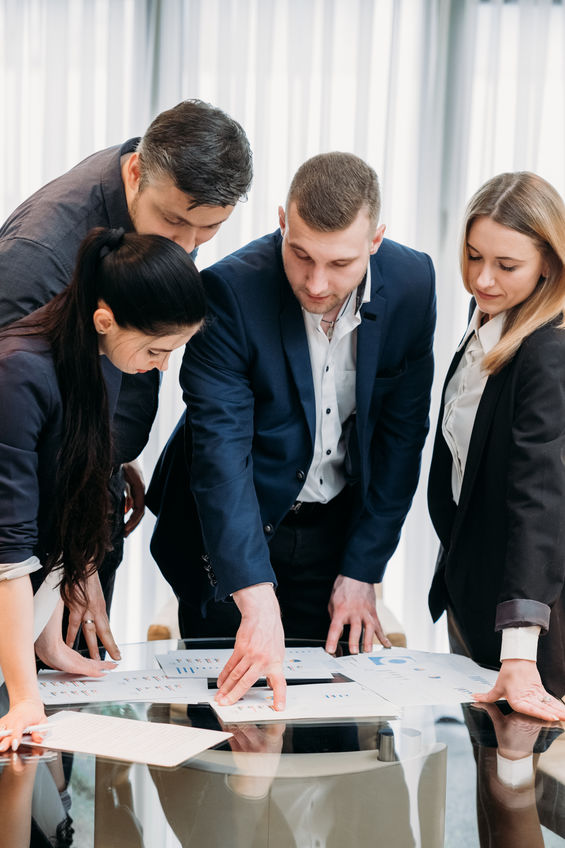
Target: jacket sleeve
534	569
220	405
398	438
30	276
27	401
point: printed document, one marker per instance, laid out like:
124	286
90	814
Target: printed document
412	678
56	687
126	739
309	701
298	664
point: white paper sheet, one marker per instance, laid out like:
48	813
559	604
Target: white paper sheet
299	663
152	685
412	678
309	701
126	739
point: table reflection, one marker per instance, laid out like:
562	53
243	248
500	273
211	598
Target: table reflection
365	783
34	802
507	748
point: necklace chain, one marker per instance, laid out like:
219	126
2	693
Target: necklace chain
331	324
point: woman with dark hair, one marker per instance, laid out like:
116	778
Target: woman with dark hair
133	299
497	480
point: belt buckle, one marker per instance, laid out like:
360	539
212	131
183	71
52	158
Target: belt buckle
295	507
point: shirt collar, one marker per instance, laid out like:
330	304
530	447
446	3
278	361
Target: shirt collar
113	187
489	334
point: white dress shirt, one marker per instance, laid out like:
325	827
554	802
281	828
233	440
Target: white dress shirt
333	362
462	397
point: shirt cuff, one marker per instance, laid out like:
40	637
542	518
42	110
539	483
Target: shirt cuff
520	643
12	570
522	612
515	773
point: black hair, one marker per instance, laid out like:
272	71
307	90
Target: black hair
151	285
202	150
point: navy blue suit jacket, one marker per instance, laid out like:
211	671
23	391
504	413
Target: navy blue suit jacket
248	386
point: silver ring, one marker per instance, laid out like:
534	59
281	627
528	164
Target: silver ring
88	621
545	699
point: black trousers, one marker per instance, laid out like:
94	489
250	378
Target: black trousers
306	553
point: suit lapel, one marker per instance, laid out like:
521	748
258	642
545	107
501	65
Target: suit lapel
440	501
295	345
483	419
369	333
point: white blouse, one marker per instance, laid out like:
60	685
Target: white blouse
464	391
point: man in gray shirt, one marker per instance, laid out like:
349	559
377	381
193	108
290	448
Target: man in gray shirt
181	180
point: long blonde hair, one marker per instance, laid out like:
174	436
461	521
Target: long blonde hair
524	202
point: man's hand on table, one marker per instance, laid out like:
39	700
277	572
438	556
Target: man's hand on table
258	650
353	602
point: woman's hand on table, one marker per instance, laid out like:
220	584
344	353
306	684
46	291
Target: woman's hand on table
51	650
25	712
520	684
90	614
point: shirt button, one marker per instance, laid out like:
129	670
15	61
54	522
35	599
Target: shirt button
328	452
268	528
321	482
300	475
328	410
327	367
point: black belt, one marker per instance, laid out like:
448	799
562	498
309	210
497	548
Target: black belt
304	512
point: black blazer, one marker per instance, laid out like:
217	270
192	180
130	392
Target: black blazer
502	557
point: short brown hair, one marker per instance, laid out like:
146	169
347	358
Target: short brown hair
527	203
330	190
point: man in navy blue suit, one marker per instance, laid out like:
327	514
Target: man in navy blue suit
307	409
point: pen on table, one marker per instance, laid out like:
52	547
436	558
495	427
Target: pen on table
33	728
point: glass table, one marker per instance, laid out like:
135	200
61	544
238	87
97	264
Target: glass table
430	778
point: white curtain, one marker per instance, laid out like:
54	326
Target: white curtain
437	95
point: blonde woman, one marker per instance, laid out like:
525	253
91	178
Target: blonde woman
497	481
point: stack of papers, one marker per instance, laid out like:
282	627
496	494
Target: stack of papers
381	680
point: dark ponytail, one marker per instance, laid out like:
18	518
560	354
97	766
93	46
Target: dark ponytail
151	285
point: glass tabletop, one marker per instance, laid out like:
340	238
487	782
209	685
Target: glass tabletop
435	776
